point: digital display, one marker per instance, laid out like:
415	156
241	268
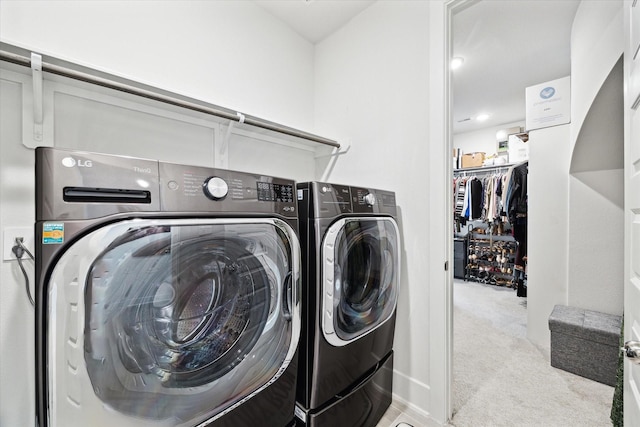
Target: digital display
269	192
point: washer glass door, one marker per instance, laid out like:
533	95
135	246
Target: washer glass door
170	322
360	277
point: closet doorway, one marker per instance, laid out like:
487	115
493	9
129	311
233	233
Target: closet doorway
499	47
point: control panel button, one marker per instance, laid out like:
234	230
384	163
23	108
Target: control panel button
172	185
215	188
370	199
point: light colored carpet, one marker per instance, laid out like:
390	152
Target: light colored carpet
502	379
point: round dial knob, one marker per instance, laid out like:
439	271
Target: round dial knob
370	199
215	188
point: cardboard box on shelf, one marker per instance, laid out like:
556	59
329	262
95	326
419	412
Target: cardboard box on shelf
472	160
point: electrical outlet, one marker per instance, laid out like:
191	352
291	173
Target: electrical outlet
9	241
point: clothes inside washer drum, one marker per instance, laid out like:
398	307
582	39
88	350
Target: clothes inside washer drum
175	316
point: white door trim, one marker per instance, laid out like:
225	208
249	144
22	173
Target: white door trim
632	206
441	209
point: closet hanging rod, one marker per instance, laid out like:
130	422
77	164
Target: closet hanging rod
484	168
173	99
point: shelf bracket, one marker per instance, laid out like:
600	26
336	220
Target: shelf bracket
225	140
336	151
36	69
328	165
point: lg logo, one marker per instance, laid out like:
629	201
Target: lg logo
70	162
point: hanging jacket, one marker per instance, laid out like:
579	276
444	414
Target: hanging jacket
517	204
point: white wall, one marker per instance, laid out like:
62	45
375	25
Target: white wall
596	213
17	180
596	236
372	87
596	45
595	250
575	221
483	140
228	53
548	185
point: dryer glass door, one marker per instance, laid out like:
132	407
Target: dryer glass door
170	323
361	258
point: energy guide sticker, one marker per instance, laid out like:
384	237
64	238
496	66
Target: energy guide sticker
52	233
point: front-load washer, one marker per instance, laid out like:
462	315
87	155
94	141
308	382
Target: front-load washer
167	295
350	283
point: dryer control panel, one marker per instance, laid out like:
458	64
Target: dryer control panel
334	199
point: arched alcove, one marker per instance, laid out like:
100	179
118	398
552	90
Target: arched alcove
599	145
596	190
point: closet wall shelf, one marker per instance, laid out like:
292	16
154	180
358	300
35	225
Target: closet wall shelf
19	56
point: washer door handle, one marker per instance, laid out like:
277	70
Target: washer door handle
287	300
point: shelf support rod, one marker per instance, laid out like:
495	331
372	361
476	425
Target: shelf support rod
36	70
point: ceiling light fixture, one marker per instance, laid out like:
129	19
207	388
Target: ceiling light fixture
482	117
457	62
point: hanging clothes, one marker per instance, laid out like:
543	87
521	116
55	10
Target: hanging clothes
460	186
517	208
499	194
472	208
459	190
517	203
506	189
491	198
467	199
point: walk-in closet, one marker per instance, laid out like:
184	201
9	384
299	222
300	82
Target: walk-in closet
529	200
490	219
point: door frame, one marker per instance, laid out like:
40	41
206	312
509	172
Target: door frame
631	396
440	211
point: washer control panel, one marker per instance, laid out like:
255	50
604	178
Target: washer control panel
201	189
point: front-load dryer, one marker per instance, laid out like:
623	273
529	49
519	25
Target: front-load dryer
167	295
351	277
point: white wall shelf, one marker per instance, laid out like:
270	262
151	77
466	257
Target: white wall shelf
57	67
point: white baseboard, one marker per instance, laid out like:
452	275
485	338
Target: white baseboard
411	396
